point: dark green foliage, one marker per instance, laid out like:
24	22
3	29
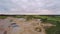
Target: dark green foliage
2	17
54	30
19	16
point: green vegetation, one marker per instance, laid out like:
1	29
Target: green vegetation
54	30
45	19
2	17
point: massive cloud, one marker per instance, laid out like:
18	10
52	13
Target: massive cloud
30	6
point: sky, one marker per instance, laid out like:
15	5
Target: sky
29	6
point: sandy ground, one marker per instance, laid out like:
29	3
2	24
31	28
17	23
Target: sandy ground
27	27
24	27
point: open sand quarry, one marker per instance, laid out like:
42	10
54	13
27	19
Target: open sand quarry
22	26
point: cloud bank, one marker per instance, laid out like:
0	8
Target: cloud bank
30	6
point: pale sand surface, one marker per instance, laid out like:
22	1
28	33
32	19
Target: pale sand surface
24	27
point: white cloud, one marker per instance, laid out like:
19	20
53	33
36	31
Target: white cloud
30	6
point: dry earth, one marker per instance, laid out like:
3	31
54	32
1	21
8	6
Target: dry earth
33	26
